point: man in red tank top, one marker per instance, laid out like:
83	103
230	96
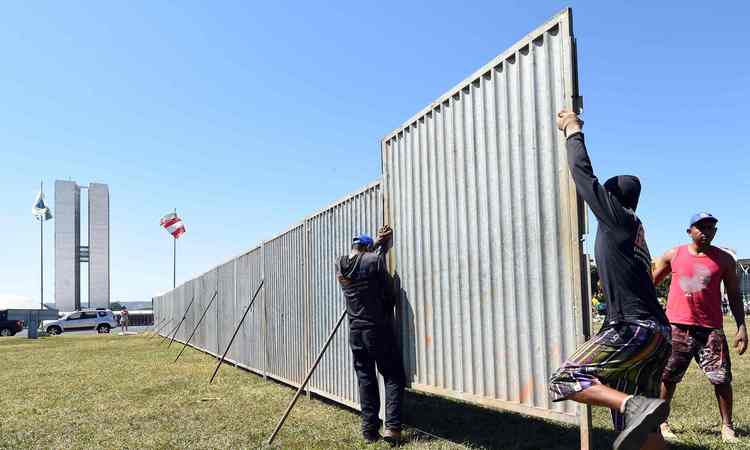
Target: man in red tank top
694	310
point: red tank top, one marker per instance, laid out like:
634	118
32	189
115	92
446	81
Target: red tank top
695	291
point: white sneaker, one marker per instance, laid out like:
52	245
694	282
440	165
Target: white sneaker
667	433
727	434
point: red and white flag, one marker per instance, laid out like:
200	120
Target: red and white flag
173	225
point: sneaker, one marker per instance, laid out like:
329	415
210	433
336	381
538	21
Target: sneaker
727	434
371	436
667	433
392	437
642	417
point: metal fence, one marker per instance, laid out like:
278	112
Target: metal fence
743	272
489	247
488	252
298	305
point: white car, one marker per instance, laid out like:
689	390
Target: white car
101	320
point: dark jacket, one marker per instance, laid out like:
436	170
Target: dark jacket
621	253
368	289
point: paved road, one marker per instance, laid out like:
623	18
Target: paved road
115	331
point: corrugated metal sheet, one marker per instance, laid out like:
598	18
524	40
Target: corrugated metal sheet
205	336
251	341
488	245
192	314
179	306
329	236
285	306
227	319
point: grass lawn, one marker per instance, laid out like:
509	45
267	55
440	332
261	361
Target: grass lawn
109	391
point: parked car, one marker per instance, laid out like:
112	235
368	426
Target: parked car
9	327
102	320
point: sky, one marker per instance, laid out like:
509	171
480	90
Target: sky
248	116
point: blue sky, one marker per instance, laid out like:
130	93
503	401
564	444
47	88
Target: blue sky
248	116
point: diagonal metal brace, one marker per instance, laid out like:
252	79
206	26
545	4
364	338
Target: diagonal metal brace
236	330
197	325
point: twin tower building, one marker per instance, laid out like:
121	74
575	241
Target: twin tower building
69	253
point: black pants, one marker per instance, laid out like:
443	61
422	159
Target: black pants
371	347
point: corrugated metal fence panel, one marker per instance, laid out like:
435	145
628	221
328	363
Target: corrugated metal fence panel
226	302
166	312
251	337
180	305
211	322
206	285
188	295
173	310
330	234
486	246
286	315
166	301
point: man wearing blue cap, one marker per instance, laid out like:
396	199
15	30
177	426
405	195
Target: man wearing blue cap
370	299
695	313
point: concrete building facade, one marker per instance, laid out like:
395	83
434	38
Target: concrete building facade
98	245
67	245
69	253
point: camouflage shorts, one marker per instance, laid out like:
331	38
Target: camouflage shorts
709	348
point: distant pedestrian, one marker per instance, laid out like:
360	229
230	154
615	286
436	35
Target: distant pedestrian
370	301
694	308
124	319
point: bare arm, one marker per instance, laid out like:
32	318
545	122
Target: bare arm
731	284
383	240
663	266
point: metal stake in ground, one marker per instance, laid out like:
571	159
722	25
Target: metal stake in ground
161	327
166	336
307	378
184	316
196	326
221	361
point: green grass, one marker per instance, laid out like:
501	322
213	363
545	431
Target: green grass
109	391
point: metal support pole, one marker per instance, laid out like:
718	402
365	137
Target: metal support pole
174	259
196	326
164	339
236	330
161	327
41	263
184	316
307	378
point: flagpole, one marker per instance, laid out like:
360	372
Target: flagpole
41	254
174	259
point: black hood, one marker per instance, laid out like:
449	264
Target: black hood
626	188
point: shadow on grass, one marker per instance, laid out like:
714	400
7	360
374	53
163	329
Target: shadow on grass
485	428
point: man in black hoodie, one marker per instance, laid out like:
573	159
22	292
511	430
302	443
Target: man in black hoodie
620	366
370	299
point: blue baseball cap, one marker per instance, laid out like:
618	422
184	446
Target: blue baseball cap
362	239
697	217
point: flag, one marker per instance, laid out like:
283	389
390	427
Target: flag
173	225
40	210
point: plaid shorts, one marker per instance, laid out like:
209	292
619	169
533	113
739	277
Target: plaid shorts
709	348
627	356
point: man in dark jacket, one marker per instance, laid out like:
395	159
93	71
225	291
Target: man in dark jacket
370	299
620	367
